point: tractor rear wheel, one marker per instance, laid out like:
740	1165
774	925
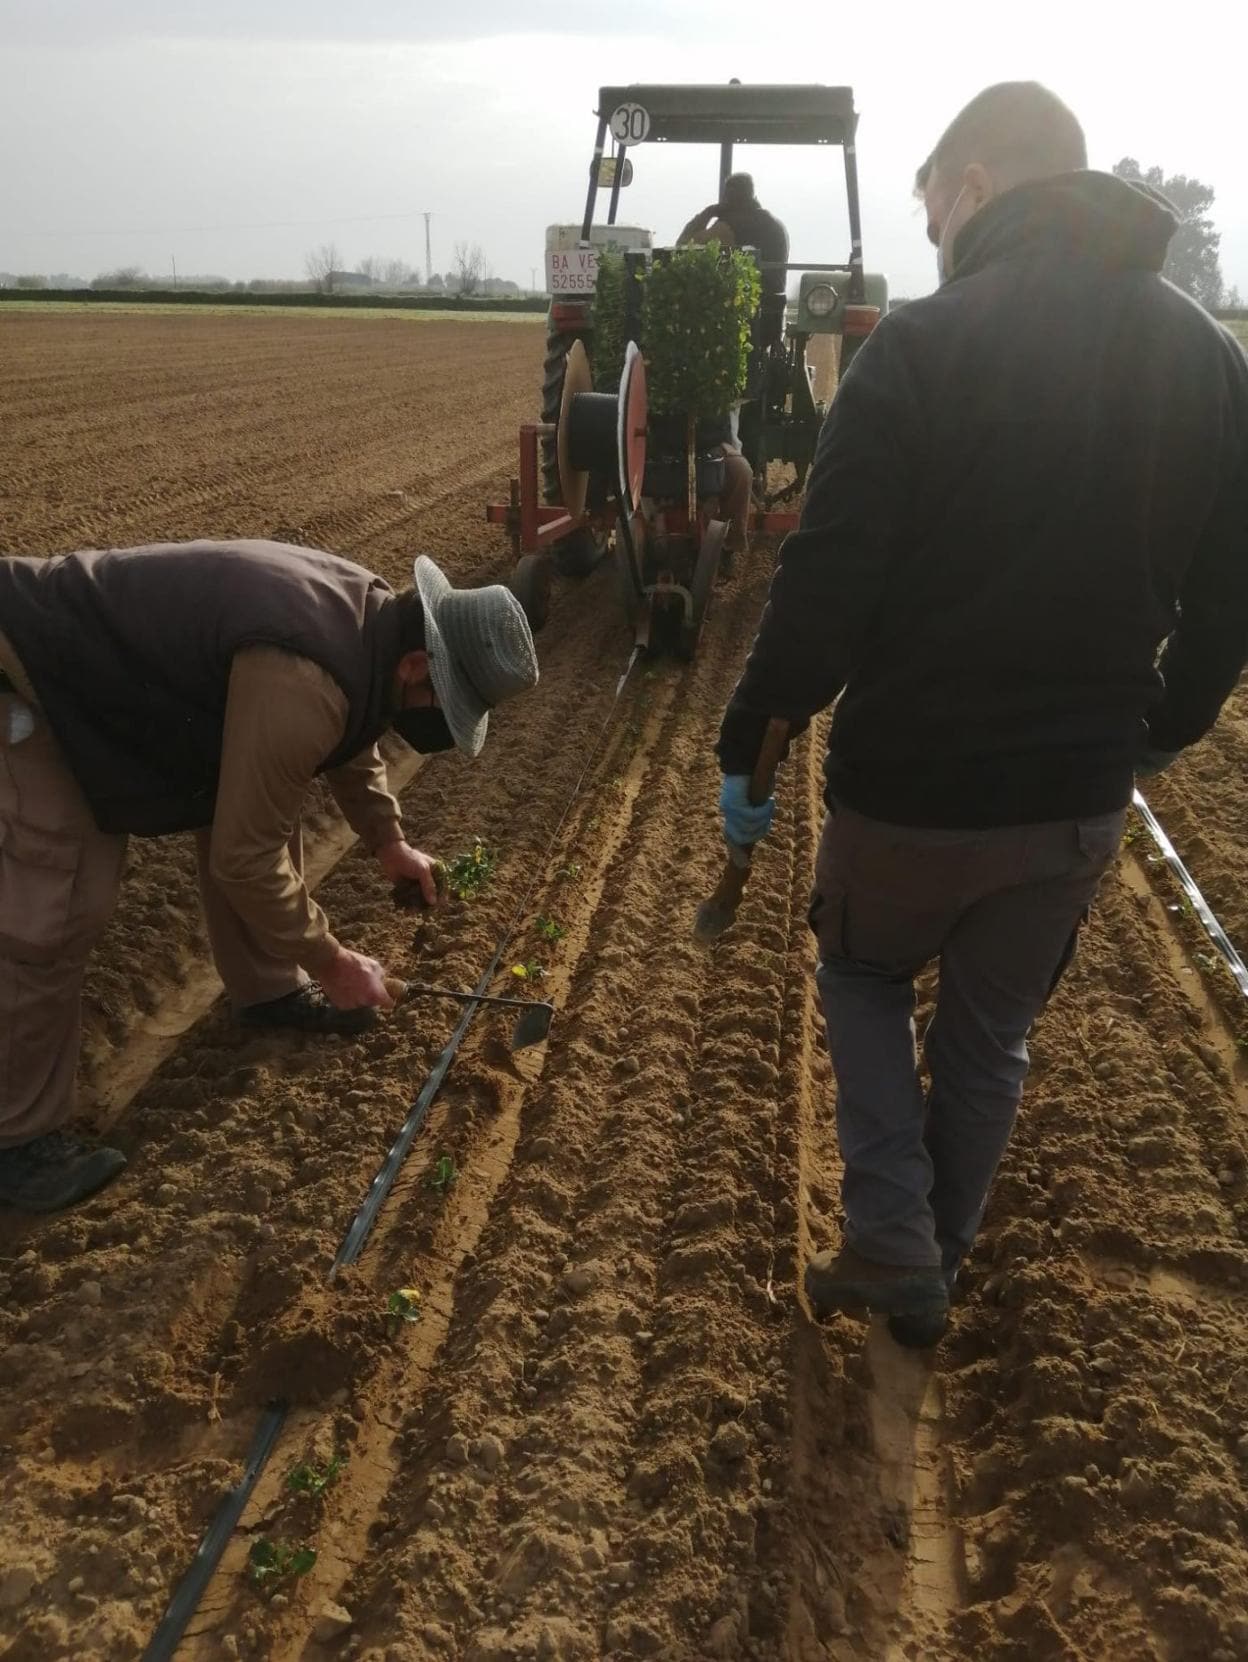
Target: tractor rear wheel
577	555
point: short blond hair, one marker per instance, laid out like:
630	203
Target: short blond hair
1018	130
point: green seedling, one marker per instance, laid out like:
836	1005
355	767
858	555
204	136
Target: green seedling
569	873
550	930
528	972
469	875
270	1563
403	1305
443	1176
307	1479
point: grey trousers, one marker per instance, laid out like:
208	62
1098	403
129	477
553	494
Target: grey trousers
1000	909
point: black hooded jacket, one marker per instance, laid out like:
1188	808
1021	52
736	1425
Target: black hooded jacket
1026	483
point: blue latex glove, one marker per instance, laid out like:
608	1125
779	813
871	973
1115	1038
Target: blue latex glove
1153	762
744	823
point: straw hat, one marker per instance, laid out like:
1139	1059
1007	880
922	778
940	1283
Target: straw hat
480	651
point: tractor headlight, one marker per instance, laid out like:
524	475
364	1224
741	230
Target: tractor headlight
821	300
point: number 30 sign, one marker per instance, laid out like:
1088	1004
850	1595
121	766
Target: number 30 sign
630	124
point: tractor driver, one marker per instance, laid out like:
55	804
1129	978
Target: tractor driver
739	220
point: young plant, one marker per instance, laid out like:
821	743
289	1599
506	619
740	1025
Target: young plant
444	1175
531	971
569	873
468	875
550	930
403	1305
307	1479
269	1563
610	325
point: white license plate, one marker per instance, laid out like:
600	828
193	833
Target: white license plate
571	271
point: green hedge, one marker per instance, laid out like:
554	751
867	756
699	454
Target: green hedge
231	297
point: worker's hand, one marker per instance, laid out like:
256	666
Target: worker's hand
709	215
353	981
1153	761
403	864
745	823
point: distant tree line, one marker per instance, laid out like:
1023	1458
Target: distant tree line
327	273
470	274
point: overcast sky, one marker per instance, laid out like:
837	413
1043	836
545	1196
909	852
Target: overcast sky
235	135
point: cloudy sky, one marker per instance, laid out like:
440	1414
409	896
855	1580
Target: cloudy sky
235	135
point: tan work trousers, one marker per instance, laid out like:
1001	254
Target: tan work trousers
59	876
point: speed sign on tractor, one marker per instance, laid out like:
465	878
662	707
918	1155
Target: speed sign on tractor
630	124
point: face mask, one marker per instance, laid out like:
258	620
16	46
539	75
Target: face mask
425	730
943	269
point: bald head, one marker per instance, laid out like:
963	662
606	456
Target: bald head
1017	130
1010	133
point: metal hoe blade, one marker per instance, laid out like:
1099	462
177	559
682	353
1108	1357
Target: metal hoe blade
532	1027
718	910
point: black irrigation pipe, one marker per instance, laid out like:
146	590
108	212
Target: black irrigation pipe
1200	905
185	1601
366	1217
186	1596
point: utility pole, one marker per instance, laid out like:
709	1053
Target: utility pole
532	279
428	252
174	260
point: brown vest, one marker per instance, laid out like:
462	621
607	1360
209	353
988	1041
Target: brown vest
129	653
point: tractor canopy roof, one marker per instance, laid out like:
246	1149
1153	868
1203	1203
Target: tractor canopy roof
700	113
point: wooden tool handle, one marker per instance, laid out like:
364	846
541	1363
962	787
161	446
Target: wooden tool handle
770	756
731	885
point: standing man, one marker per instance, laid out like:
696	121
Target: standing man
1027	481
202	687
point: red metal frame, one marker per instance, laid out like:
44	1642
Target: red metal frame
530	523
772	522
534	525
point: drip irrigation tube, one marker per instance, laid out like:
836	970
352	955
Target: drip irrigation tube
362	1224
1200	905
185	1601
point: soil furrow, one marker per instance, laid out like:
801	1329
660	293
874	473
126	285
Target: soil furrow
614	1431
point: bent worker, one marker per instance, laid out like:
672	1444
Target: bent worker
1026	481
202	687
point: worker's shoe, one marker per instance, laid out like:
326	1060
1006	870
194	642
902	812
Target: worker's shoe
307	1010
55	1170
915	1300
921	1332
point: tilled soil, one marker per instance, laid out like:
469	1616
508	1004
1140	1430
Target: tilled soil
613	1430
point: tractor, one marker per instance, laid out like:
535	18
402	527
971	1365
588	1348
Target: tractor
586	482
